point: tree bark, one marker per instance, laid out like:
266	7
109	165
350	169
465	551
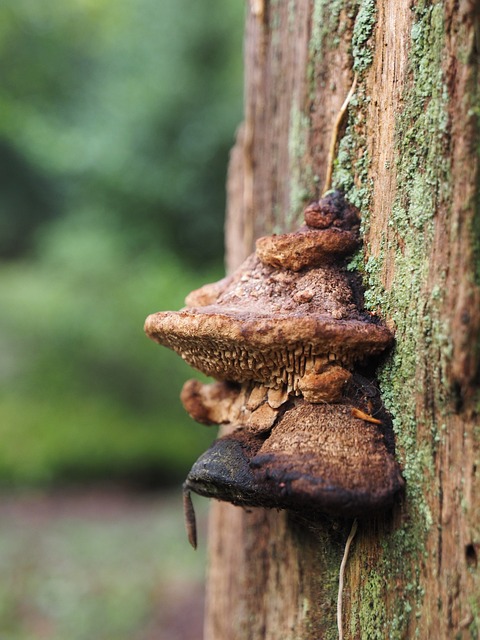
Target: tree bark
408	158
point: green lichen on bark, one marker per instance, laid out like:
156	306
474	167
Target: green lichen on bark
352	162
371	609
325	21
422	171
422	184
327	31
362	51
414	302
303	181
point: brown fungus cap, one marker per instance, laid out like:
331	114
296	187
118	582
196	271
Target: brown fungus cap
306	248
331	234
317	457
272	325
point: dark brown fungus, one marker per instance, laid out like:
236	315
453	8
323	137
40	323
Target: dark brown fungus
283	336
332	211
317	457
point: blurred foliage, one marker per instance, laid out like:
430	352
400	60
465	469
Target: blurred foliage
121	109
117	118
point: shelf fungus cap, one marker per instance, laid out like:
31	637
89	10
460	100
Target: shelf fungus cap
272	326
317	457
331	233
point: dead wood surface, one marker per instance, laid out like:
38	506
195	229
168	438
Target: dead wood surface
412	573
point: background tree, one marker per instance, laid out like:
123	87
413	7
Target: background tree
408	159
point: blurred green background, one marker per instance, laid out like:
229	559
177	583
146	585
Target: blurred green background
116	119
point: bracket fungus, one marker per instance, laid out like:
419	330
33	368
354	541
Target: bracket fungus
284	337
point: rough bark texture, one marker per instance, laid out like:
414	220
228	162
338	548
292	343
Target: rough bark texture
408	158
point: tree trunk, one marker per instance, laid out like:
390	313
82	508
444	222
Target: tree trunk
408	158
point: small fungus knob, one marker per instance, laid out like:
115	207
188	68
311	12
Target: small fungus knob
331	233
332	211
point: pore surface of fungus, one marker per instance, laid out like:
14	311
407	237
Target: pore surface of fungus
275	324
283	336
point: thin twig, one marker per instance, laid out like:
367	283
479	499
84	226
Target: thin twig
351	536
333	139
189	516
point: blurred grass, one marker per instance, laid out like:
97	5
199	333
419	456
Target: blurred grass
107	566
